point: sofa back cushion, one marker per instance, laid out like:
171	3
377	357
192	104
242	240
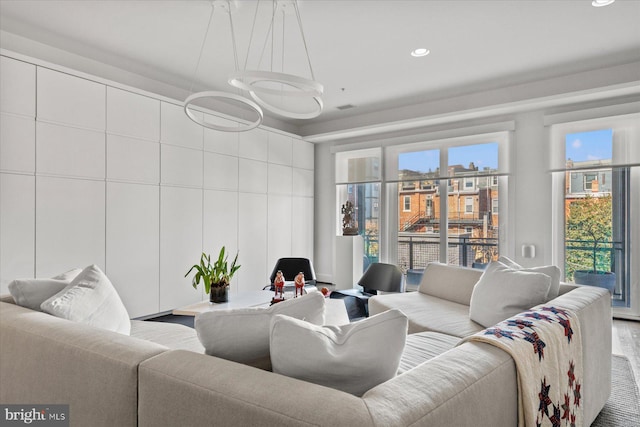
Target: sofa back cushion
354	357
450	282
242	334
30	293
550	270
503	292
90	298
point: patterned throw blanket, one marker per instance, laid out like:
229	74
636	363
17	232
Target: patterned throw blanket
545	343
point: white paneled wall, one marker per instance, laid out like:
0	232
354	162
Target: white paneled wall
94	173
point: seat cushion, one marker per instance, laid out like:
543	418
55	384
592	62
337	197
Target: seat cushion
171	335
424	346
428	313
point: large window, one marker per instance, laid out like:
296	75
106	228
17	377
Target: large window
454	187
358	178
598	187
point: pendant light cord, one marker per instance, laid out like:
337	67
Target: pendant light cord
304	40
204	40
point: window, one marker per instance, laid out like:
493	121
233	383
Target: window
595	186
461	172
494	206
590	182
407	204
358	178
468	204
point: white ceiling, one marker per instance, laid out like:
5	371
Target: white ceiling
359	49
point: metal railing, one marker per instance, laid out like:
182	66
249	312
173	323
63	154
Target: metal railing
610	257
415	252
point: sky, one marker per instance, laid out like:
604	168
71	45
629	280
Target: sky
482	155
593	145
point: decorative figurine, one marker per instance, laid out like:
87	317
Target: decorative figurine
278	283
299	282
349	225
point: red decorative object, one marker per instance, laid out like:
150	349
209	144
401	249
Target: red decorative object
299	282
278	284
325	291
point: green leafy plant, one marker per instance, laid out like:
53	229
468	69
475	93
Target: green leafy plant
589	224
214	275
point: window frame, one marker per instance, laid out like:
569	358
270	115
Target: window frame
404	204
626	134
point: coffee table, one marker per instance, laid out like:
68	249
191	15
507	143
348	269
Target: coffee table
335	310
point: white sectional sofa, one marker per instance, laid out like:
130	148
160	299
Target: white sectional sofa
159	375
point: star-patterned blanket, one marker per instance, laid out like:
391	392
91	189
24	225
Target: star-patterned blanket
545	343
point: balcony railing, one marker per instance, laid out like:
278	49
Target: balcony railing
610	257
415	252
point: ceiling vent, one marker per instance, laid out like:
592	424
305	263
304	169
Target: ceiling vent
345	106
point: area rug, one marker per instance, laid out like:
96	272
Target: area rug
623	407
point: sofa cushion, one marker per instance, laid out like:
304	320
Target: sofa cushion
550	270
450	282
352	358
171	335
30	293
424	346
90	298
428	313
503	292
242	335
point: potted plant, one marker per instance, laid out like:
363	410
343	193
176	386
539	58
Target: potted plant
216	276
590	221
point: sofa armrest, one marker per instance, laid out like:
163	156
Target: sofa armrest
48	360
458	388
218	391
592	305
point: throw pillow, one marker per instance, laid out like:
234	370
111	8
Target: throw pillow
30	293
242	335
90	298
450	282
503	292
550	270
353	358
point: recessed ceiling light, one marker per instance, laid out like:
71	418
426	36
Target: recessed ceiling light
420	52
600	3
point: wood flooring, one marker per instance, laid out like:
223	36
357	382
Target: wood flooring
626	341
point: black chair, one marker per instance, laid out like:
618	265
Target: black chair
378	277
290	268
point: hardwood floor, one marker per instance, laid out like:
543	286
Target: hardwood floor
626	341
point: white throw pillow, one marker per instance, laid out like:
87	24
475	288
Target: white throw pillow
450	282
242	335
90	298
503	292
353	358
30	293
550	270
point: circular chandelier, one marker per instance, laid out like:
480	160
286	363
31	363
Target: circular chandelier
254	81
290	85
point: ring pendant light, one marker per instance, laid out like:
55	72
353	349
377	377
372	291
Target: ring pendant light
224	4
249	80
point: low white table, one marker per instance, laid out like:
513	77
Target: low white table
335	314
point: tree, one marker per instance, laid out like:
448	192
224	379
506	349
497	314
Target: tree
588	229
